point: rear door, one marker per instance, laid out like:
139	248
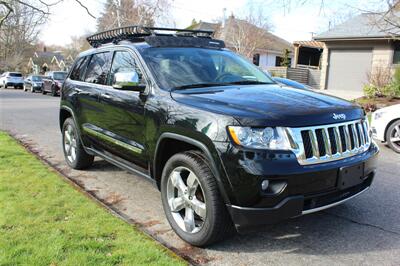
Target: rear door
123	120
88	97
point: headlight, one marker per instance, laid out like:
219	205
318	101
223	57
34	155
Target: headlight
260	138
378	115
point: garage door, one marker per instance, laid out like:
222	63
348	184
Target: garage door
348	69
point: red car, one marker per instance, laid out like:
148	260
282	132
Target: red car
53	81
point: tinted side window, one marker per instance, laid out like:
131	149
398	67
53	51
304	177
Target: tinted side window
123	62
78	71
98	68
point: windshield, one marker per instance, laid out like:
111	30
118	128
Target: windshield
176	68
36	78
59	75
15	75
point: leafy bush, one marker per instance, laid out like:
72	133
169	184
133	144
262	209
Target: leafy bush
370	91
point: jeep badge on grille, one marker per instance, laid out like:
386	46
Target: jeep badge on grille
339	116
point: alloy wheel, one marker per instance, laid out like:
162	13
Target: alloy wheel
395	136
186	200
70	143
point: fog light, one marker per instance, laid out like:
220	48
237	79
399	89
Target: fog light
264	184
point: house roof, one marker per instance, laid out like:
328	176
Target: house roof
311	44
204	26
271	41
363	26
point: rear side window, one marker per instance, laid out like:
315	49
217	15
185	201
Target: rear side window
98	68
78	71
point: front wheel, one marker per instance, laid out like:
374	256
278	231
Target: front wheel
74	153
192	202
393	136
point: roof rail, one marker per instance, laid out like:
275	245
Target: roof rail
136	32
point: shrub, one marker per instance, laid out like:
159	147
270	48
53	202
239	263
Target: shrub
370	91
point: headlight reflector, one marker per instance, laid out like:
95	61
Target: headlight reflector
260	138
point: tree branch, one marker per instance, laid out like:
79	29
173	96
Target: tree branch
87	10
9	10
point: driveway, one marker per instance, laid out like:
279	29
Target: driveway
365	230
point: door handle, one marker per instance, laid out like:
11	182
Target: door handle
82	92
106	96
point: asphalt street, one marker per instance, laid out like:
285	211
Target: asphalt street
363	231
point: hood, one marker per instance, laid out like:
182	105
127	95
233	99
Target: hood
271	105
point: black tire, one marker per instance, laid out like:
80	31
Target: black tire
217	225
393	131
53	91
82	159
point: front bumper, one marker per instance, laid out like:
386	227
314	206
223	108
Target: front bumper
15	84
245	218
306	189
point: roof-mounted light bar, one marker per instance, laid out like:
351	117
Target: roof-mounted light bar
137	32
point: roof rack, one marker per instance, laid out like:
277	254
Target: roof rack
139	32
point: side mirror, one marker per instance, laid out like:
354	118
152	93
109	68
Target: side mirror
128	81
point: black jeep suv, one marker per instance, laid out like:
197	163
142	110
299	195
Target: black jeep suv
227	146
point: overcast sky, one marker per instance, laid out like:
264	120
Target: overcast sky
69	19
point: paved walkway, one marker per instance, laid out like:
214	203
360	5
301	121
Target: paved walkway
345	94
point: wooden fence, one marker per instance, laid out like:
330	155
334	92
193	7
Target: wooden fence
307	76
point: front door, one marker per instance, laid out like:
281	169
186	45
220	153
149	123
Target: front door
122	119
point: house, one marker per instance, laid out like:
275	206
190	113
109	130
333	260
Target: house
43	61
269	50
355	48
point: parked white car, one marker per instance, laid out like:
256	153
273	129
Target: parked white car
385	126
12	79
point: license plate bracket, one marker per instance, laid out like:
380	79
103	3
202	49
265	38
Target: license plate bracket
350	176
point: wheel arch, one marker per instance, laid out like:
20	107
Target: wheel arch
388	125
159	161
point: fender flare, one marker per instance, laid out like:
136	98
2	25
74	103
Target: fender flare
204	149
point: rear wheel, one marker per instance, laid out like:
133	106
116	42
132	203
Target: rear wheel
74	153
393	136
53	91
192	203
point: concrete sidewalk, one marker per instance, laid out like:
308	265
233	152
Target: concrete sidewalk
344	94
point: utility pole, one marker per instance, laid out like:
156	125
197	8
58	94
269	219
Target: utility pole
118	6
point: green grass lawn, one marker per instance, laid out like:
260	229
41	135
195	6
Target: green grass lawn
45	221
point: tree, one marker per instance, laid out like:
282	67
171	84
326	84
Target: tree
119	13
245	35
18	33
286	59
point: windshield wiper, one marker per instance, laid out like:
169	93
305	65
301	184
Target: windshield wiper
198	85
248	82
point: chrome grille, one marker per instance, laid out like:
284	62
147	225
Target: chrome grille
332	142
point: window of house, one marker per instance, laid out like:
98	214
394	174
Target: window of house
256	59
396	53
98	68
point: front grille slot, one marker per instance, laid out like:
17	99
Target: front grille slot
330	142
307	143
351	133
321	142
342	137
332	137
